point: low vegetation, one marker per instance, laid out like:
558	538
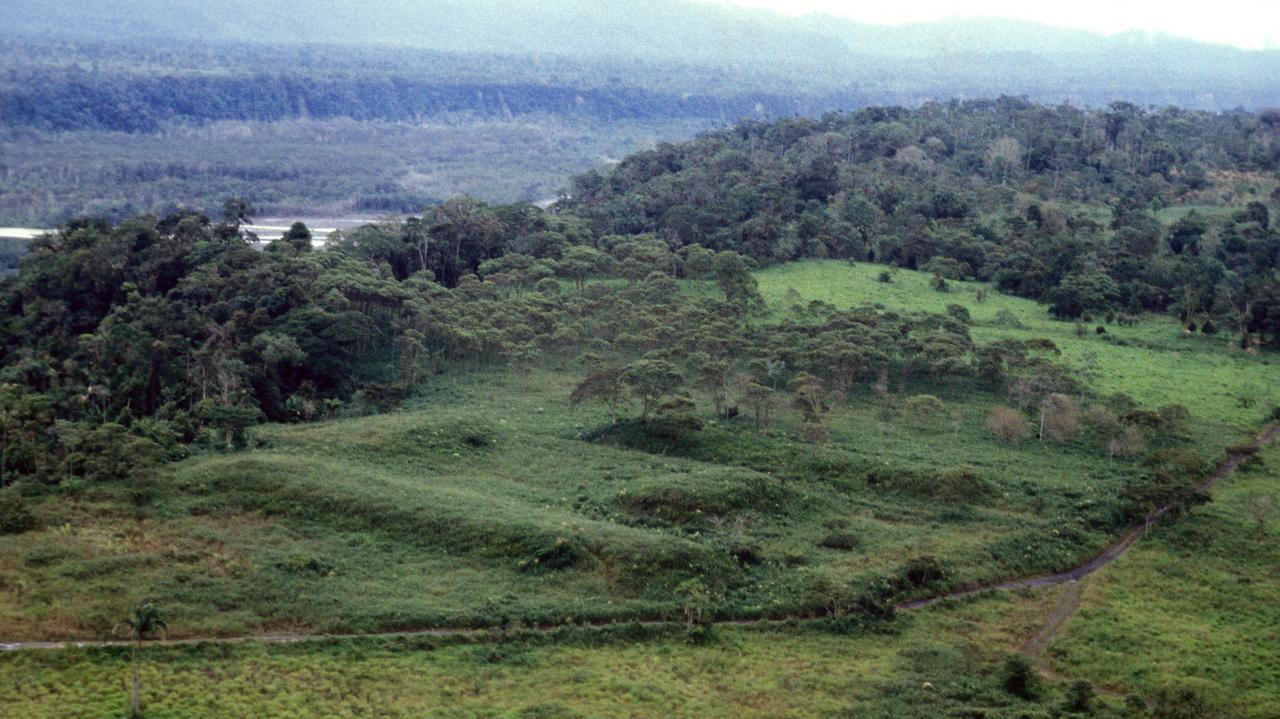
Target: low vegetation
496	418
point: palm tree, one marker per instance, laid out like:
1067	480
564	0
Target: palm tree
144	621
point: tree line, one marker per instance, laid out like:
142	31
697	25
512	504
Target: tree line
1053	203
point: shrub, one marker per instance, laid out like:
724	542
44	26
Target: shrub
1100	422
1174	417
843	541
677	499
1120	403
15	517
1060	417
562	553
1129	442
815	433
959	312
1169	479
1008	424
1018	677
923	569
1179	703
922	408
1005	318
958	484
1080	696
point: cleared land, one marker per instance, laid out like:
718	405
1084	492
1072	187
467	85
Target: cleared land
488	502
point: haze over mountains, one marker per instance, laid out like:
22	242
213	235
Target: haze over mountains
982	57
324	109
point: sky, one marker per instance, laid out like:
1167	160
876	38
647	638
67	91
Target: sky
1249	24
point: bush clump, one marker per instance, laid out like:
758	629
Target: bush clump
678	499
1018	677
560	553
455	436
1008	424
843	541
958	484
923	569
15	517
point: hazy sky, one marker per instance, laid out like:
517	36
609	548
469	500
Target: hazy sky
1243	23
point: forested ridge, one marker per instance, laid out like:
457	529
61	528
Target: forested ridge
74	100
179	319
1057	204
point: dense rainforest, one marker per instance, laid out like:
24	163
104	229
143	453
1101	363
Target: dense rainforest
122	344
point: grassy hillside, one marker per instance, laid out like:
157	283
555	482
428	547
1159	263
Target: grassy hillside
936	663
1150	361
486	501
1194	605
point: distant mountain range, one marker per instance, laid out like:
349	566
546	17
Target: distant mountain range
955	58
962	58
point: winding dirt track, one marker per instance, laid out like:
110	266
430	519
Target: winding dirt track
1108	555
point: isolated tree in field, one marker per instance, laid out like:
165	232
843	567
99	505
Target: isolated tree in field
1008	424
697	601
144	622
604	386
651	381
1059	417
1031	389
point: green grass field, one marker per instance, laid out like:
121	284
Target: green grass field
1155	365
484	502
941	662
1195	604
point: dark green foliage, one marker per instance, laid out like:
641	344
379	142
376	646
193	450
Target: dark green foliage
15	517
1019	678
843	541
923	569
560	553
693	500
1169	478
1080	697
1178	703
959	484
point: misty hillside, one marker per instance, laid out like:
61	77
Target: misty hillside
983	57
313	108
